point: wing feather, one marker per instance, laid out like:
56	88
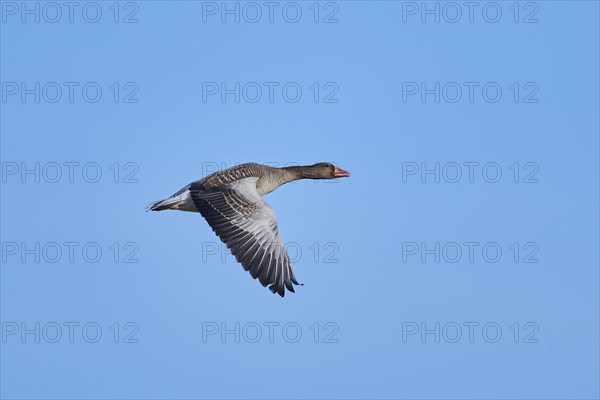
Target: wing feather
247	225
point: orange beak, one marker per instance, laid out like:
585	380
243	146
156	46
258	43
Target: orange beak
340	173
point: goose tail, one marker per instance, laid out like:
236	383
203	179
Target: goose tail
160	205
179	201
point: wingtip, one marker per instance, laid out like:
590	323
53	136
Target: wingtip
279	291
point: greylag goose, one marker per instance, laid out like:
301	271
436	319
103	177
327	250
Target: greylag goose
231	202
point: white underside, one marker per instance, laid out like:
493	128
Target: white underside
184	202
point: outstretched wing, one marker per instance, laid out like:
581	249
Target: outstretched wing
237	213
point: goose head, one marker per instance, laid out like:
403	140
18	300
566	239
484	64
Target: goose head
325	170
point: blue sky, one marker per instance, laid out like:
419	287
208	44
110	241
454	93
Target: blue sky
460	259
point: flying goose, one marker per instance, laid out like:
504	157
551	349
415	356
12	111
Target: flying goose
231	202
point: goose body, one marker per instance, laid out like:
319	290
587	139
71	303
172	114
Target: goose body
231	202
